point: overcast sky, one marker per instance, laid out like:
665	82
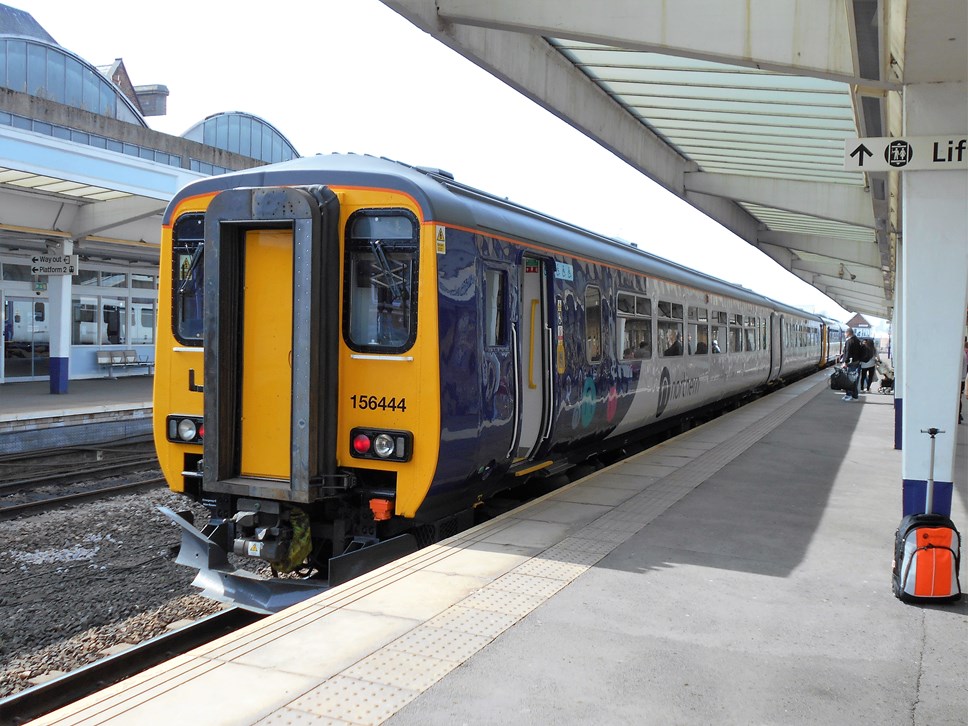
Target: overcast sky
353	76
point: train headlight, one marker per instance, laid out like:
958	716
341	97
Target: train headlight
185	429
381	444
384	446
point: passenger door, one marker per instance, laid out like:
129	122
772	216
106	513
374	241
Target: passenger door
534	358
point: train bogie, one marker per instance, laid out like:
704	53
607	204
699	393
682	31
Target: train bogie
356	354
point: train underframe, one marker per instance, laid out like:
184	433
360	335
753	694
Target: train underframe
337	538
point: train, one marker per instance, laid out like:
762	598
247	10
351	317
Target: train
354	355
26	324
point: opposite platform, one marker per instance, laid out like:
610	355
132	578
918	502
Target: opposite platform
739	573
93	411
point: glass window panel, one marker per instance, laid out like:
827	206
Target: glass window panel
670	338
593	324
55	77
717	342
381	283
735	340
74	86
750	339
142	281
245	136
114	279
495	307
209	133
643	306
84	325
626	303
17	273
17	65
114	322
37	70
697	339
636	337
142	321
108	101
3	62
221	132
85	277
90	91
235	124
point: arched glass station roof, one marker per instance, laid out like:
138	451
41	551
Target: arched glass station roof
48	71
245	134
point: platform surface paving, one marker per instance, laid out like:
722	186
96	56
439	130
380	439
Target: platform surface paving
739	573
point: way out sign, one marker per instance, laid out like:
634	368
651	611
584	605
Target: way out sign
915	153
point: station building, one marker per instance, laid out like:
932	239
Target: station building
83	183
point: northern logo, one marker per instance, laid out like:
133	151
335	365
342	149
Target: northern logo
673	390
665	391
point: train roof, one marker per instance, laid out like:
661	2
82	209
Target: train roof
445	200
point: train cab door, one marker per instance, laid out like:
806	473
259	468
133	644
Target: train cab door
533	348
271	367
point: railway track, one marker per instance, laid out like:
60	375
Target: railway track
71	687
40	481
49	501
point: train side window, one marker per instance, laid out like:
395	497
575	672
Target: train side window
735	333
697	337
593	324
380	289
634	326
495	307
40	312
717	339
750	332
670	329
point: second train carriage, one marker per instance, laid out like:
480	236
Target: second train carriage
356	353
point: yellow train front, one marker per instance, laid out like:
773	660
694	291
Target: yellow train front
306	417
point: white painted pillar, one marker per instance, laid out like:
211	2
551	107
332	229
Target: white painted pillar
59	300
934	288
897	344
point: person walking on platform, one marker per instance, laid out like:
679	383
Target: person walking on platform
853	352
869	359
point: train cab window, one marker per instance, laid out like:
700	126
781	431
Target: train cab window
380	289
188	277
670	329
697	334
634	326
593	324
495	307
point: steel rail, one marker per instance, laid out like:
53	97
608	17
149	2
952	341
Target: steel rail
42	505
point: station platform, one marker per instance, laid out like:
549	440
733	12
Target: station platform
93	411
736	574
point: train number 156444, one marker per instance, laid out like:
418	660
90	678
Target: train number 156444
378	403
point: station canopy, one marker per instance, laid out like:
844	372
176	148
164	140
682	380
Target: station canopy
742	109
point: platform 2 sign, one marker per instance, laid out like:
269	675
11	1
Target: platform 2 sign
53	265
913	153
